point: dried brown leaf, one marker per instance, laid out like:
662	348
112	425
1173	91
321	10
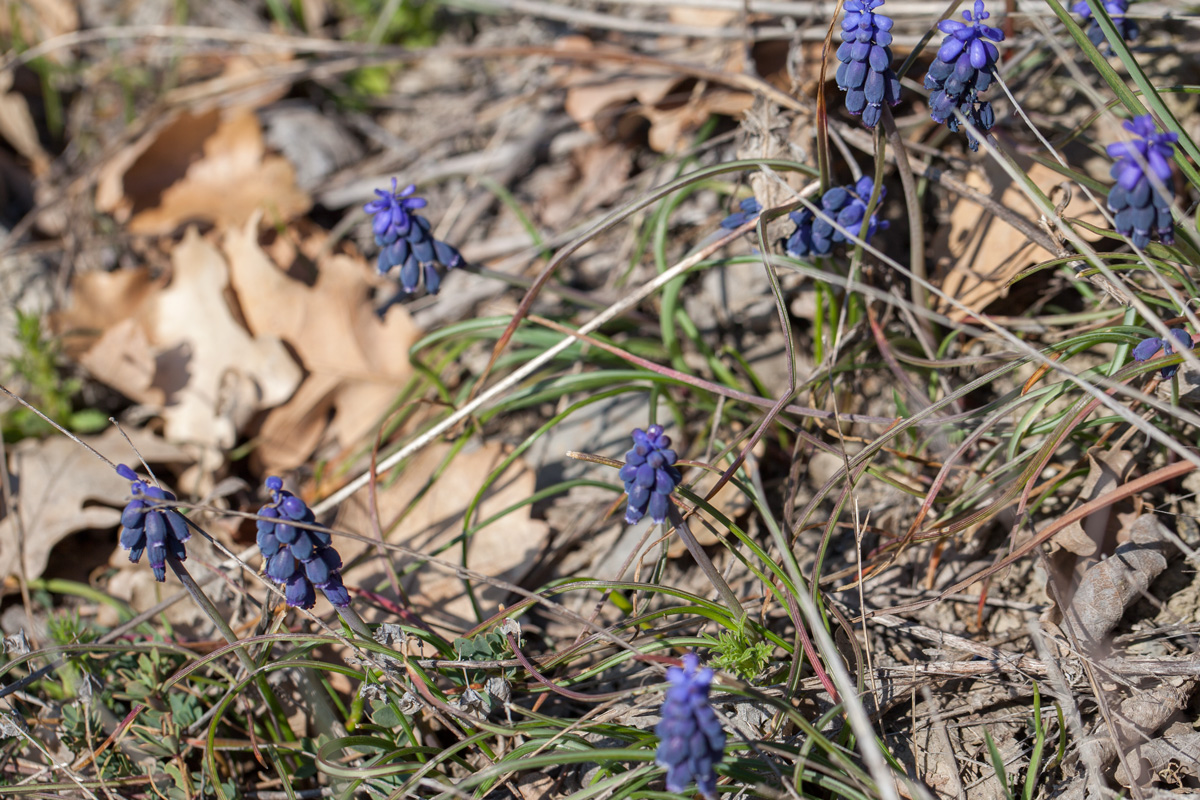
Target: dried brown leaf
182	351
1106	469
504	549
1109	587
977	254
17	125
1170	758
212	167
356	363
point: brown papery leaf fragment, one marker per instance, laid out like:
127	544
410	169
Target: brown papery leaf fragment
356	363
504	549
1106	469
181	351
978	254
1170	758
1111	586
212	168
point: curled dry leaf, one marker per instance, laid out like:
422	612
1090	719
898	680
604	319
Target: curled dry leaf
62	488
1106	469
1171	758
356	362
181	351
211	167
504	549
17	125
1111	586
615	100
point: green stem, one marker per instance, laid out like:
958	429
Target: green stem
705	563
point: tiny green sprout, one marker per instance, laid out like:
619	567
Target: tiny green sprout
741	654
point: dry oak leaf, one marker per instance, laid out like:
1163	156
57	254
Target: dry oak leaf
212	167
504	549
17	126
62	488
182	352
356	363
614	100
977	254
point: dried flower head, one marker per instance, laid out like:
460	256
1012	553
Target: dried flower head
649	475
298	558
866	74
964	67
406	241
1141	209
691	739
149	525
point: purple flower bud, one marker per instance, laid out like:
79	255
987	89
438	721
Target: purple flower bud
691	739
1141	210
866	74
963	68
1116	10
149	526
297	557
847	205
406	241
750	209
649	487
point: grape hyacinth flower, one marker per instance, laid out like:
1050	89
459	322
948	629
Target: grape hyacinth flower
148	526
1117	10
750	209
866	74
846	205
1140	209
406	240
298	558
691	740
964	67
1179	339
650	475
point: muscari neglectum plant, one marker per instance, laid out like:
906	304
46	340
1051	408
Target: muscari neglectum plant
406	240
649	475
1142	210
965	66
748	209
150	526
866	74
300	559
1117	10
847	205
691	739
1178	339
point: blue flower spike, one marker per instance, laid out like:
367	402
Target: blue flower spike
866	74
964	67
1141	210
650	475
150	526
1117	10
691	739
750	208
1178	340
301	560
847	205
406	241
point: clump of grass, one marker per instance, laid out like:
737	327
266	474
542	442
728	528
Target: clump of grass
973	426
